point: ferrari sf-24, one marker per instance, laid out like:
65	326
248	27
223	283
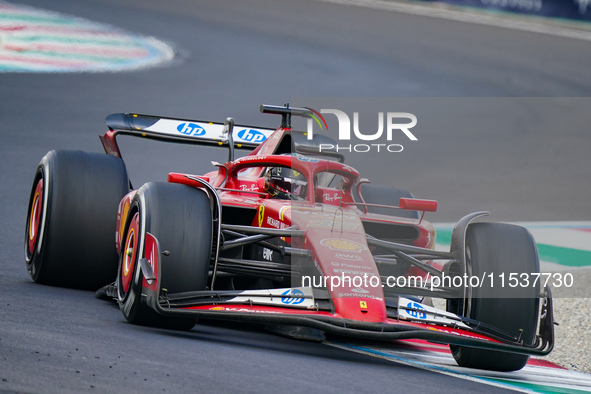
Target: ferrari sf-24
287	236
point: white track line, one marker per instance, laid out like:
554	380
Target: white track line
423	366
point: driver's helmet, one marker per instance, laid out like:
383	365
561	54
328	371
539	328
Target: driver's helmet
285	183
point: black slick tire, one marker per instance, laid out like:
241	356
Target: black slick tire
499	248
71	219
180	218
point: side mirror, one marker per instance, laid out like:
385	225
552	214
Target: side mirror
415	204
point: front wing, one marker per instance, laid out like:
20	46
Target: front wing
309	309
312	308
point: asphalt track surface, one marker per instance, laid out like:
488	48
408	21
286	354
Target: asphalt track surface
233	56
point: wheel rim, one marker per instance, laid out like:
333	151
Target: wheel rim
34	220
129	253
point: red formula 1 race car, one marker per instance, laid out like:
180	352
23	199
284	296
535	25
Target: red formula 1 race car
287	236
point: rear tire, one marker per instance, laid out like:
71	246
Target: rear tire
499	248
180	218
71	219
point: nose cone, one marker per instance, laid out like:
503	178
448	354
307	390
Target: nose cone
362	309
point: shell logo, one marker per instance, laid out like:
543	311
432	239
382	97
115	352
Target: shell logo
342	245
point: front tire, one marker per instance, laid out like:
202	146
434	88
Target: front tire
499	248
180	218
71	219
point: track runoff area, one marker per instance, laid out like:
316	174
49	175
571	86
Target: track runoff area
564	248
36	40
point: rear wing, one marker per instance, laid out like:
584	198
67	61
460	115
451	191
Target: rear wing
182	131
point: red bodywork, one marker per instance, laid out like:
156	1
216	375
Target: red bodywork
333	222
335	241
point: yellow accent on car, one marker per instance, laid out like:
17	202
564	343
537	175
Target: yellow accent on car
261	215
